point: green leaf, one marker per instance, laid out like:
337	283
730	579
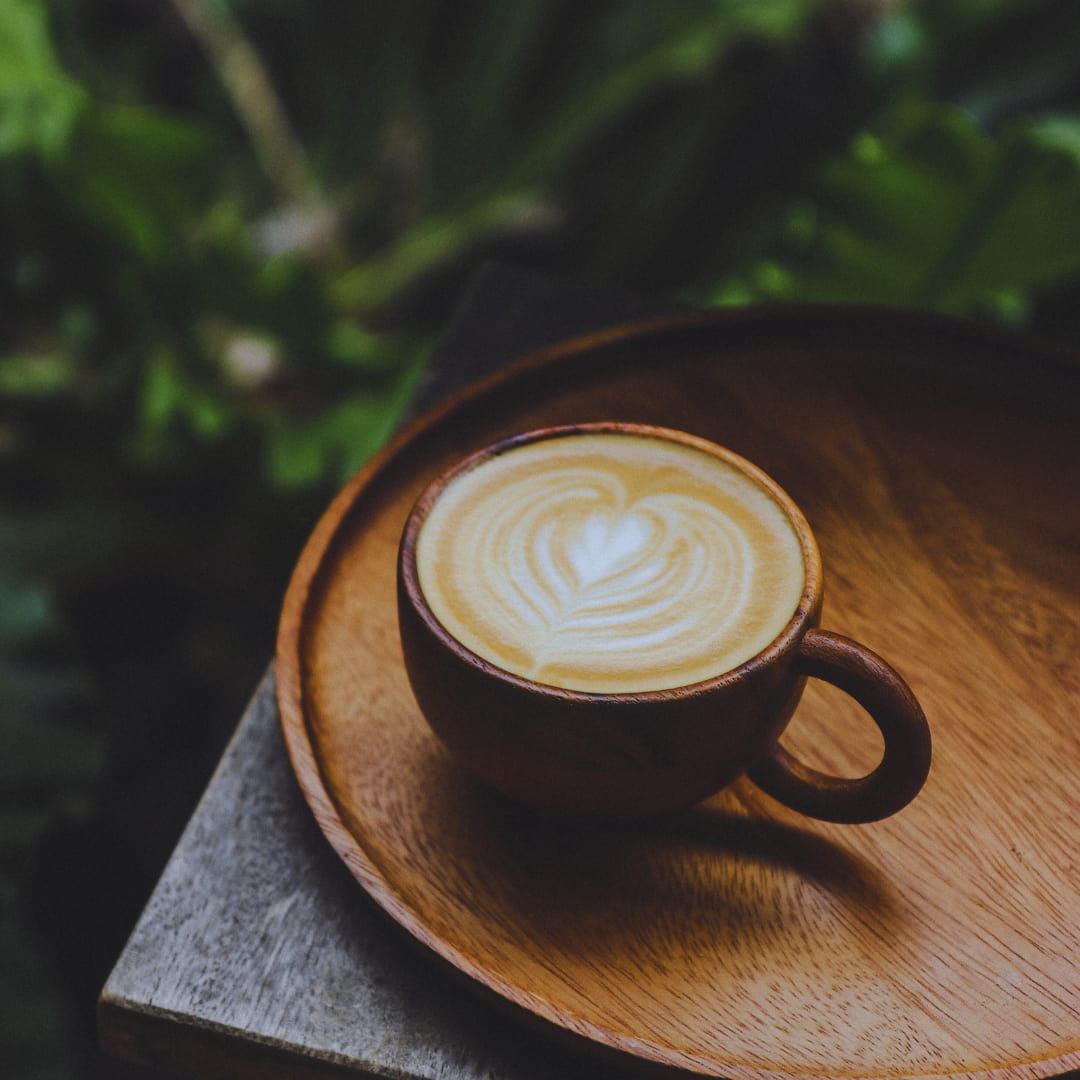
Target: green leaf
350	345
39	102
172	401
331	446
296	456
1057	132
433	241
140	175
932	212
36	375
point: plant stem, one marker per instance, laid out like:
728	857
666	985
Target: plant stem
257	105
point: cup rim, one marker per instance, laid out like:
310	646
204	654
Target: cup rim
803	617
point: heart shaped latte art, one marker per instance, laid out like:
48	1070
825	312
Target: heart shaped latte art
583	570
591	575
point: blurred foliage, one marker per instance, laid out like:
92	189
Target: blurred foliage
230	231
927	210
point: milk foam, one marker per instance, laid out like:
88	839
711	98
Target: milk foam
610	563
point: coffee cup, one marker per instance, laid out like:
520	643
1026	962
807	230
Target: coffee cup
617	620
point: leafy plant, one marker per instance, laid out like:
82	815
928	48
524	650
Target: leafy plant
929	210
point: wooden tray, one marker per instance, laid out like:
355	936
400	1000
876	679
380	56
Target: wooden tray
938	465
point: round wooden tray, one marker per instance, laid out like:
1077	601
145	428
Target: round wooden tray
938	465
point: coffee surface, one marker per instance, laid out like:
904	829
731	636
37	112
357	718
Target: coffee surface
610	563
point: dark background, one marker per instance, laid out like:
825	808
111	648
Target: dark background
231	230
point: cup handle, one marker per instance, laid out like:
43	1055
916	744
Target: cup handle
892	706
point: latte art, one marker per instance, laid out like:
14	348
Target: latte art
610	563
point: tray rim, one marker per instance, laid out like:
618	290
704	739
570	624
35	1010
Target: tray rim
289	675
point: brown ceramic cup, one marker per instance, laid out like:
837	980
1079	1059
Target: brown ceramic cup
634	754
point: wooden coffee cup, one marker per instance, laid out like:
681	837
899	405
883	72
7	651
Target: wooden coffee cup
626	755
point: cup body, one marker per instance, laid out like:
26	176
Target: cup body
595	754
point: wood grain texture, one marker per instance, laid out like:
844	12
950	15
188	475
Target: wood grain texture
938	466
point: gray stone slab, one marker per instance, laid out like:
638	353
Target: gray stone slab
257	933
